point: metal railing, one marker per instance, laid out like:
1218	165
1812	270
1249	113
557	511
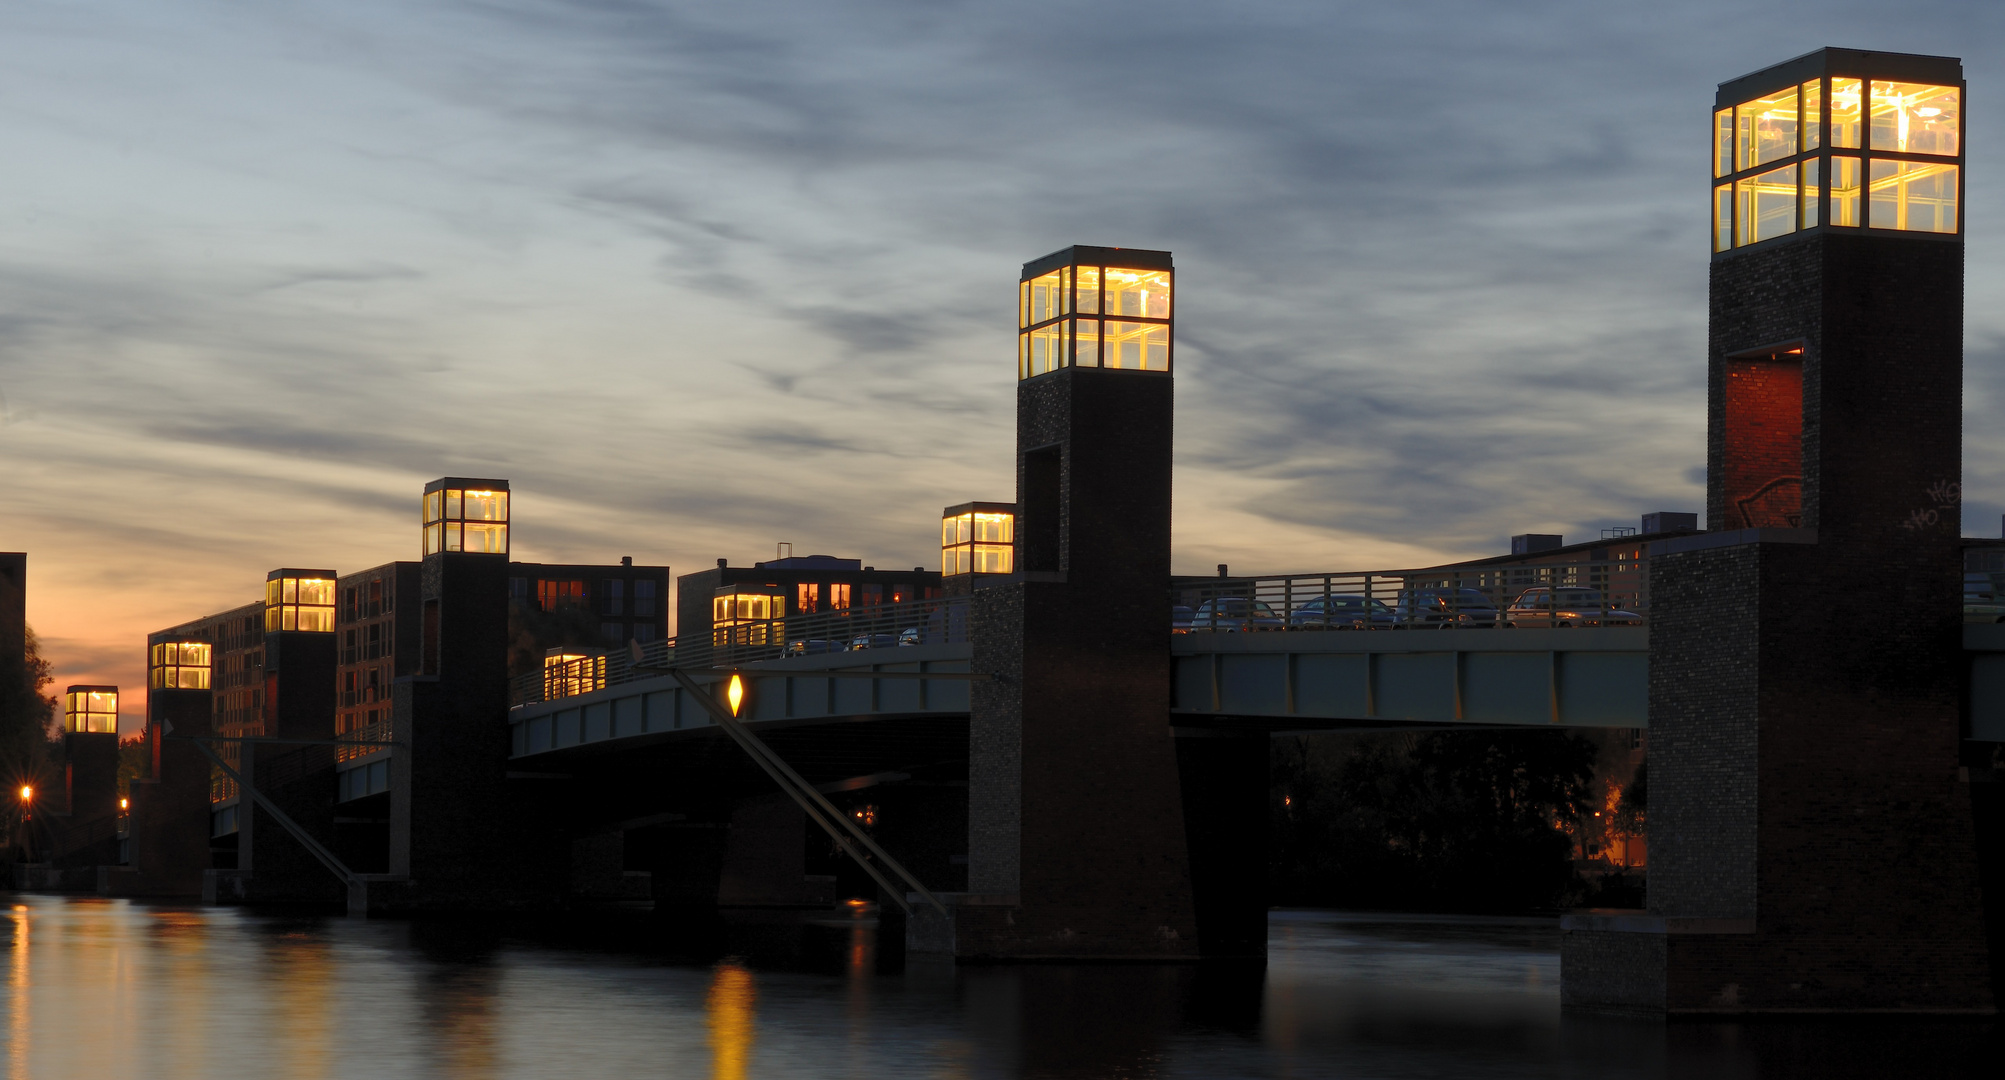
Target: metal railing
922	622
363	741
1562	592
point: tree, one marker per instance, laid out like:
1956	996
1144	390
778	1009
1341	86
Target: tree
26	716
1461	820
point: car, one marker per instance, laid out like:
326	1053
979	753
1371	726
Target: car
1235	614
1443	608
1981	602
1342	612
1180	616
909	636
811	646
873	641
1566	606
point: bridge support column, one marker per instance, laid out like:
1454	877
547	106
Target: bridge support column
462	835
1076	837
1811	846
272	865
169	829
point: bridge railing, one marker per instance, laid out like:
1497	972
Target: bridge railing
942	620
1557	592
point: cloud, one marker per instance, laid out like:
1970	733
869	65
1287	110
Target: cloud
699	277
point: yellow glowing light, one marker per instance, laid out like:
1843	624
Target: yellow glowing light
735	694
27	793
125	804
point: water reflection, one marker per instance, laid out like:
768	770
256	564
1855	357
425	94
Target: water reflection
109	988
730	1003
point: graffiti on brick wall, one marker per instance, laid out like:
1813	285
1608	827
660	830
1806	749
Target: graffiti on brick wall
1945	497
1777	504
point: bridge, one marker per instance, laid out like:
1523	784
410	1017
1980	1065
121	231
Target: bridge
1279	679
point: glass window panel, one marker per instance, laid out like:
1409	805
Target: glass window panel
320	620
838	596
1086	342
946	531
1141	293
720	609
434	504
1138	346
289	590
1023	356
451	535
1813	115
433	539
1723	142
316	591
1044	293
992	558
1913	196
1022	304
486	506
1047	349
491	538
1915	118
272	591
964	527
994	528
1089	289
1846	100
1766	207
1813	194
1767	129
453	500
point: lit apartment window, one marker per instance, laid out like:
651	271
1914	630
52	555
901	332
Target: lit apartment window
746	616
568	673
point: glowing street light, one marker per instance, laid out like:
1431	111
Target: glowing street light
735	694
27	793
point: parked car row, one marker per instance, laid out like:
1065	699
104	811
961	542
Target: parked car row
1416	609
911	635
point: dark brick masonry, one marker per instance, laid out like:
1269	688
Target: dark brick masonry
1811	845
1076	829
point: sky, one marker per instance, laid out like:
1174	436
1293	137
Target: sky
699	278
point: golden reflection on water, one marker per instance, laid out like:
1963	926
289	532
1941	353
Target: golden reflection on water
730	1005
459	1006
18	1025
299	971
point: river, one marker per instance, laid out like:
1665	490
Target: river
107	988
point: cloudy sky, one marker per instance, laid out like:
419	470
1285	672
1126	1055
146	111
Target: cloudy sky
702	277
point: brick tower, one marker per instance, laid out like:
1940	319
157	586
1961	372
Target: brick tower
460	837
1811	846
1076	846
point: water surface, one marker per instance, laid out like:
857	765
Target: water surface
110	988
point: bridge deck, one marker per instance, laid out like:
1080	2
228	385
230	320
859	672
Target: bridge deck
1578	677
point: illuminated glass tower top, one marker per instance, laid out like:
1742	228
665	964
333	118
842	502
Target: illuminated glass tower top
91	710
1095	307
1839	139
180	665
299	600
978	538
466	515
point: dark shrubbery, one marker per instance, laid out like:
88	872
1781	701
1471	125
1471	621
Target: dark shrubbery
1444	821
